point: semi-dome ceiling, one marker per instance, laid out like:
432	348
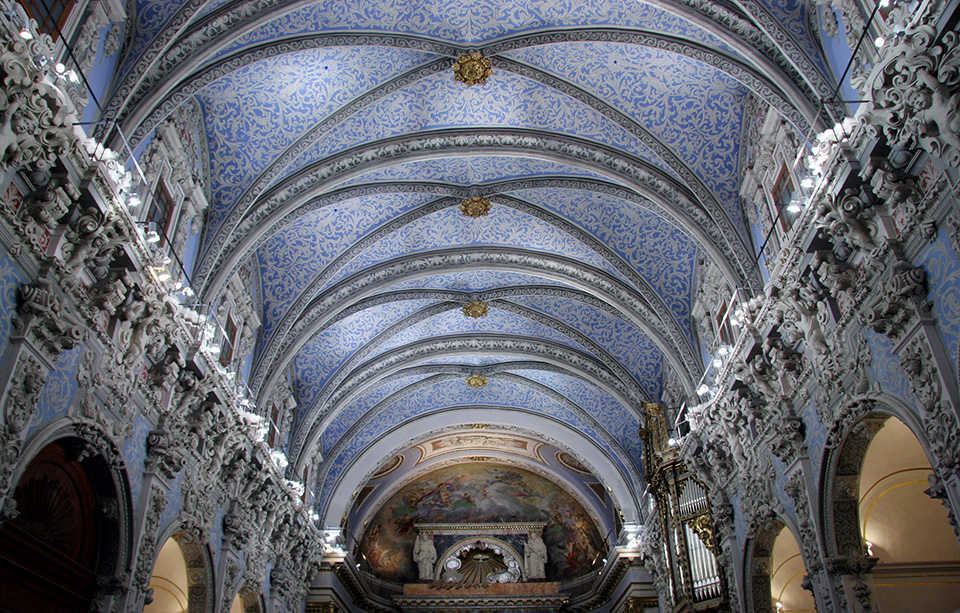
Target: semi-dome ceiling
340	147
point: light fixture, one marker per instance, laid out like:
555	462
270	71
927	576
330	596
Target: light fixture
807	182
869	547
25	34
717	362
879	41
703	390
163	277
279	458
153	236
795	205
59	67
672	442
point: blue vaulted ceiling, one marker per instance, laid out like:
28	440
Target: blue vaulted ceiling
608	140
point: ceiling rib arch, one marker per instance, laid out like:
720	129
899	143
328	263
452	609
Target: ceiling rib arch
606	431
274	171
454	299
602	286
203	40
503	371
161	101
308	294
338	497
341	389
361	354
711	228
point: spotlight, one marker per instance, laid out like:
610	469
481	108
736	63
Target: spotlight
25	34
879	41
59	67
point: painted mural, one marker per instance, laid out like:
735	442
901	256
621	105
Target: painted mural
481	492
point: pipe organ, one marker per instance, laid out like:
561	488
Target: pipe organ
695	580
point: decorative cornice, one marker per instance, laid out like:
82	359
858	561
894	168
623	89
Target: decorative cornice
491	603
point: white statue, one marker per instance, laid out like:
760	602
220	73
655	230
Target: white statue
535	557
425	555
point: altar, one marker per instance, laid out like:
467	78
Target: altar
481	567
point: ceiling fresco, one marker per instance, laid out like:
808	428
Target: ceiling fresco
341	150
481	492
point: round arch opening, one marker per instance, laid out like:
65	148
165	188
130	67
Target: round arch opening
63	530
778	572
180	581
918	556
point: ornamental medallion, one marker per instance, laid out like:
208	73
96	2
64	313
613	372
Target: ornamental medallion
476	381
476	309
476	206
472	69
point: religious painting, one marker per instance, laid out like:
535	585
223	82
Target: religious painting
481	493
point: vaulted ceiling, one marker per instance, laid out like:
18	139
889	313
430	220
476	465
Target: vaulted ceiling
340	148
